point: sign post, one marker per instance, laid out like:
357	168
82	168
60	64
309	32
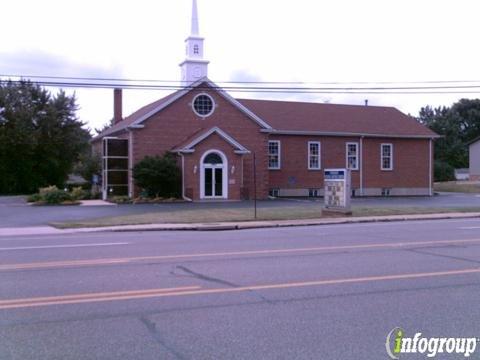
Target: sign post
337	191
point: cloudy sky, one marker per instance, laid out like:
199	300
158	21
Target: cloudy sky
312	41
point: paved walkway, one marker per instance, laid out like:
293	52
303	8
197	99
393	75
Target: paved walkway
48	230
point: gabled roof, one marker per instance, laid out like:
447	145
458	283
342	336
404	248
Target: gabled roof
188	146
138	117
337	120
298	118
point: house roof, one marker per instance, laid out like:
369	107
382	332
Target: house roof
331	119
188	145
299	118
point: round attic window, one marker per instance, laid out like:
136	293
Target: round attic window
203	105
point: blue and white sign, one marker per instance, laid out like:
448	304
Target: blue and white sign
337	174
337	189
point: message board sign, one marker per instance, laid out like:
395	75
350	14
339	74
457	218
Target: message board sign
337	185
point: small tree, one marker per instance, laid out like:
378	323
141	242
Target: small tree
158	176
443	171
89	164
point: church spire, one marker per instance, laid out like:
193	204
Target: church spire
194	67
195	27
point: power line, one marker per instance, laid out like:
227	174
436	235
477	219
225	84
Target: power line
238	81
423	89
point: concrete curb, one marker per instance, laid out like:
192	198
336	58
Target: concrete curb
224	226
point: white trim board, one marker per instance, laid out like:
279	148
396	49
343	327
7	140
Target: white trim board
239	148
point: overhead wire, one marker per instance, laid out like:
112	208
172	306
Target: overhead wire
457	87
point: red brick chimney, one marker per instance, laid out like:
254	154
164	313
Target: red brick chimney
117	105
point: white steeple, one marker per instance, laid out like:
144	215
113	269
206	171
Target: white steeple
194	66
195	28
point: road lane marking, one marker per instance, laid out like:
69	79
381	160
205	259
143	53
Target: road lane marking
469	227
95	296
196	290
75	263
61	246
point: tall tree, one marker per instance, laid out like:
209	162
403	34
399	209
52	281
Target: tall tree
40	137
458	125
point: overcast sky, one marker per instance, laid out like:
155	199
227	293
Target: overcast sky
247	40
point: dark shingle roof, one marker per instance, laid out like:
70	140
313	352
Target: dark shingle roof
290	116
332	118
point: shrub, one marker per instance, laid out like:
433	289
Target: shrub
443	171
53	195
158	176
78	193
121	199
34	198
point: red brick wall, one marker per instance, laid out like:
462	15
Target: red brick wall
177	123
294	162
410	162
192	179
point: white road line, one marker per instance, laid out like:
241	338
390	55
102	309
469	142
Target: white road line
61	246
469	227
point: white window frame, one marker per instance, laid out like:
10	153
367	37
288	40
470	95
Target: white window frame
383	157
214	105
279	154
319	155
356	156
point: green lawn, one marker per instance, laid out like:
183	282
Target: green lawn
458	186
227	214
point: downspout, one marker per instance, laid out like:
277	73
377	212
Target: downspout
183	178
361	166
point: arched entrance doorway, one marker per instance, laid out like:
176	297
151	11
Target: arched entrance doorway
213	175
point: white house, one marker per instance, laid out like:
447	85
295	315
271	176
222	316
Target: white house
474	151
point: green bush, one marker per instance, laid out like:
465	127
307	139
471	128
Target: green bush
53	195
121	199
443	171
78	193
158	176
34	198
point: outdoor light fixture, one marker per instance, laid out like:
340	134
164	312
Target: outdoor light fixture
233	169
195	169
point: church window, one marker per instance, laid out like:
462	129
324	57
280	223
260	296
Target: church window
203	105
386	160
352	156
314	155
274	154
196	49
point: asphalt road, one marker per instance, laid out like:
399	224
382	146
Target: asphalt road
328	292
15	212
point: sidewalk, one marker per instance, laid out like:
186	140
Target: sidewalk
48	230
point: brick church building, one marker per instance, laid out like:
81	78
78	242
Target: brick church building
217	137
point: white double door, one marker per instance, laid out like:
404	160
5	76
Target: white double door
213	179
